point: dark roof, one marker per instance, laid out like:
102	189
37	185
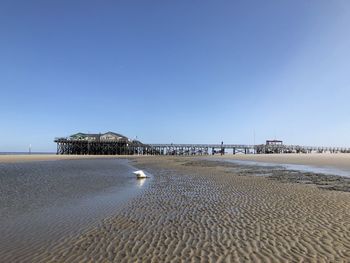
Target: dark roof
81	134
97	135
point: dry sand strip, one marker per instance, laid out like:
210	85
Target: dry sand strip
200	213
15	158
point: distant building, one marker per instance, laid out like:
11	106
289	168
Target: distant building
109	143
108	136
271	146
274	142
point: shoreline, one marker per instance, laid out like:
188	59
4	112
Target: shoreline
338	161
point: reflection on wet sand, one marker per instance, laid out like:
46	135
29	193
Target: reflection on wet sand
141	182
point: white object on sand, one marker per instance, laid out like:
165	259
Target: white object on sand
140	174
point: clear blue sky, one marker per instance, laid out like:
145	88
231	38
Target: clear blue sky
175	71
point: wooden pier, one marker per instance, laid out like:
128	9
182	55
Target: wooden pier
206	149
115	144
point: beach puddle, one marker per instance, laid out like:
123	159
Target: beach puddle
44	203
290	167
325	178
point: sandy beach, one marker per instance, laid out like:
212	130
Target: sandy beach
340	161
203	211
175	131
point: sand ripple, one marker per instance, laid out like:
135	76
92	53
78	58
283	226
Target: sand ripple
205	214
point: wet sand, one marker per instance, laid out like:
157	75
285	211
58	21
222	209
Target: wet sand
202	211
337	160
43	203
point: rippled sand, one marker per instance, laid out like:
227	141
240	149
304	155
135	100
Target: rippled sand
206	213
